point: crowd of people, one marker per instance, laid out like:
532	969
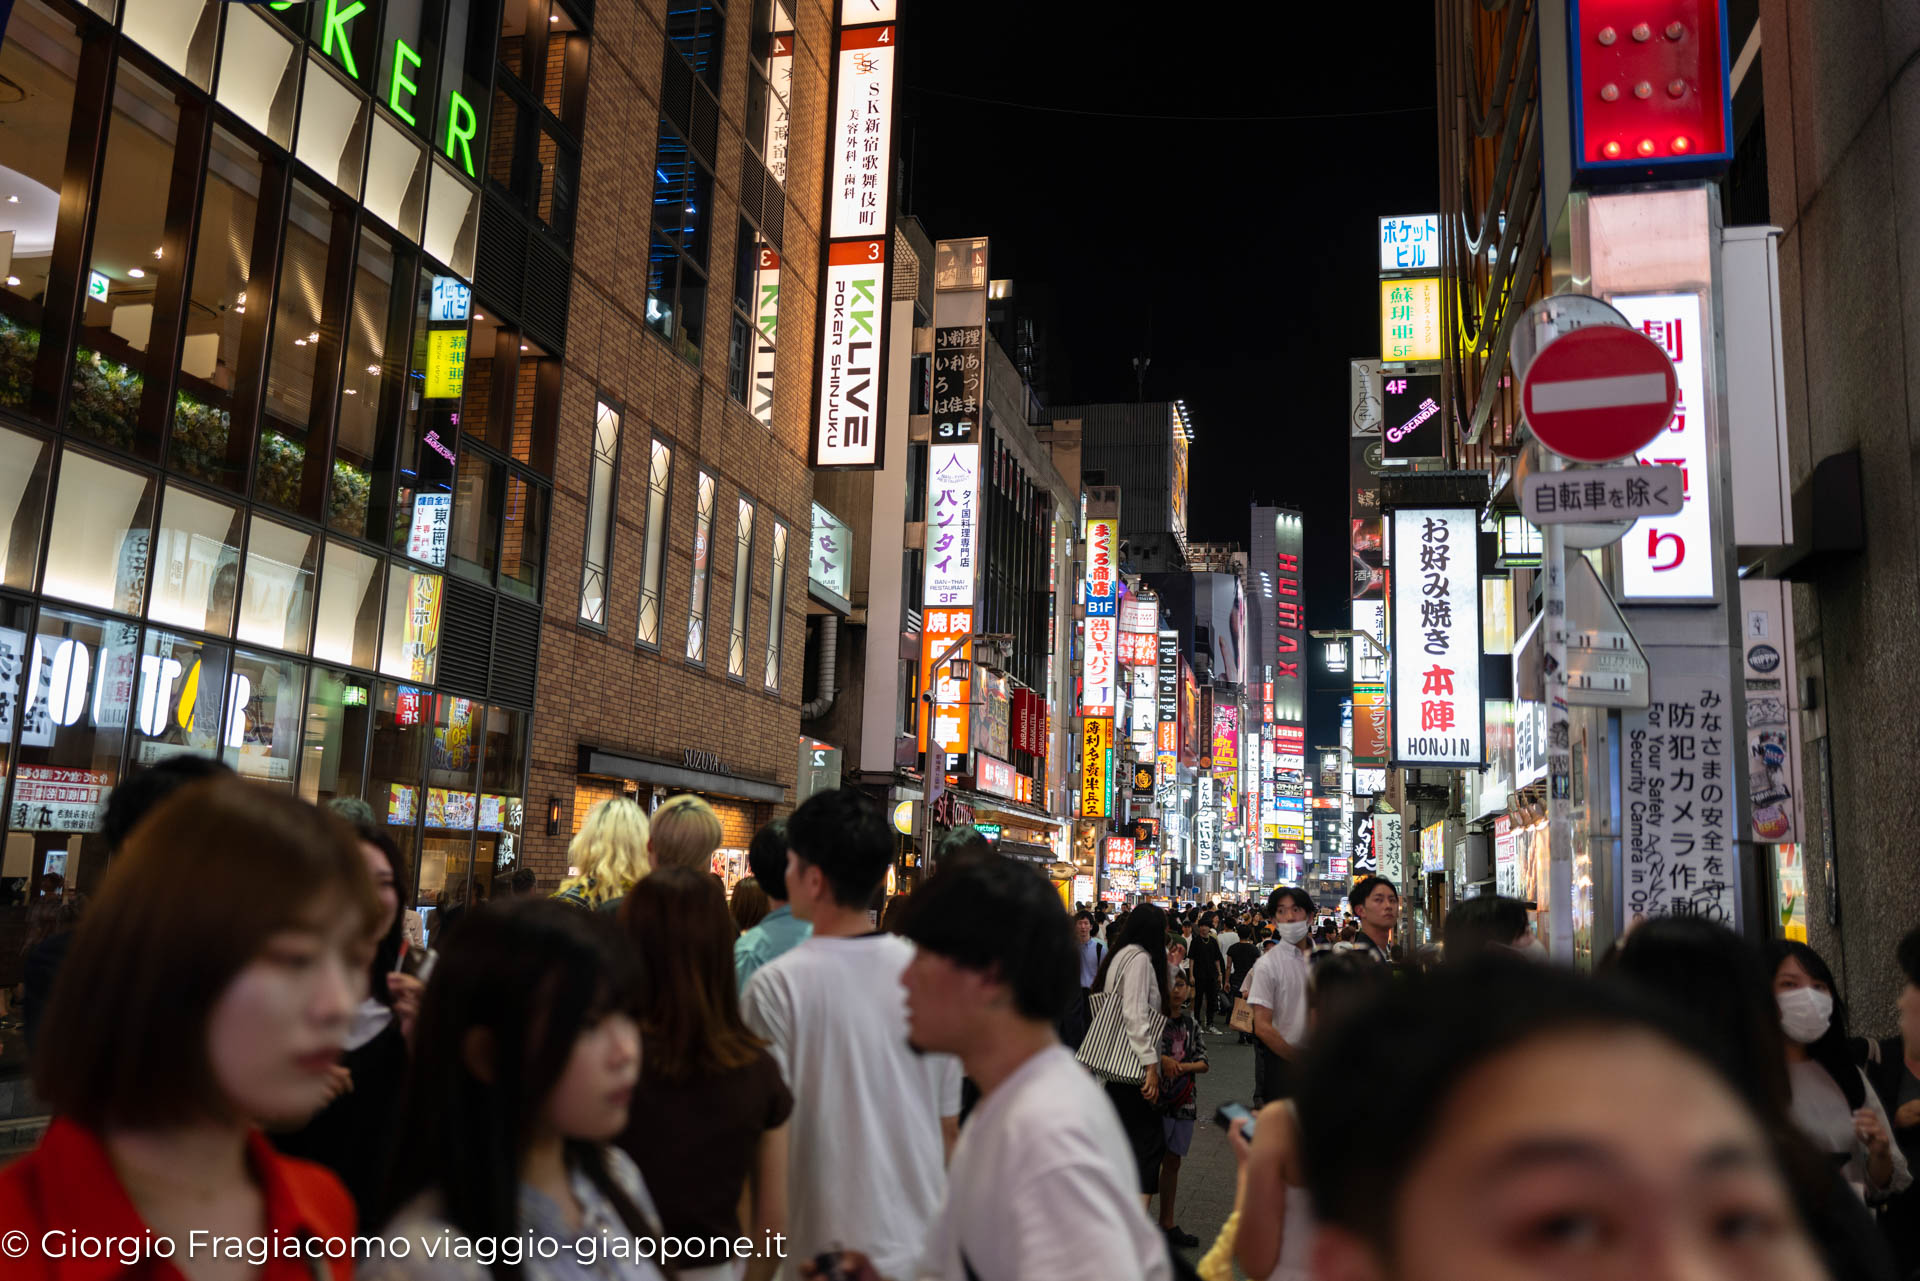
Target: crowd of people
639	1076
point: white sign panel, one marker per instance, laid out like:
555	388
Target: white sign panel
1387	833
427	538
1438	716
1601	493
1670	558
862	141
1140	614
830	562
1099	666
847	433
1365	397
1678	759
1410	244
953	497
857	11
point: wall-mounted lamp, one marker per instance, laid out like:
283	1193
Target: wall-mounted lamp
553	816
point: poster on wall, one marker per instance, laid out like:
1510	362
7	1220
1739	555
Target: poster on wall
1436	638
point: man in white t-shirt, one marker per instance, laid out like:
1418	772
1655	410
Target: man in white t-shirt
867	1164
1043	1182
1277	991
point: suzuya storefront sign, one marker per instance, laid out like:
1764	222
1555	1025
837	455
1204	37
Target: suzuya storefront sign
401	67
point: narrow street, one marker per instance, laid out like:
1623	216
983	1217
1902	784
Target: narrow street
1207	1176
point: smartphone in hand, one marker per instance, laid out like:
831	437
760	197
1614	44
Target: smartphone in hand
417	962
1231	1112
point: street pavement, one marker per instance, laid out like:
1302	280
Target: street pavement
1204	1198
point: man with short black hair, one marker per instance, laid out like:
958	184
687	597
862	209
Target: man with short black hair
867	1157
1377	906
1042	1178
779	931
1277	991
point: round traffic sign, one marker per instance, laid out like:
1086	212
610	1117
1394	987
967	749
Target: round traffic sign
1600	393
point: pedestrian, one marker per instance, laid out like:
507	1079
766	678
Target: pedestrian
870	1134
748	906
1718	986
50	926
528	1053
709	1118
1228	934
1376	904
1183	1056
354	1134
1277	991
522	884
1489	921
1893	1068
608	854
683	832
1040	1186
1137	975
1177	960
1209	968
1241	958
779	931
1521	1122
1832	1100
1088	953
177	1021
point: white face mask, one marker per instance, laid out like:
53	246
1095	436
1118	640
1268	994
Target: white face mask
1294	931
1805	1014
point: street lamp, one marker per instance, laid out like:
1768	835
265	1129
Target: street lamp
1348	633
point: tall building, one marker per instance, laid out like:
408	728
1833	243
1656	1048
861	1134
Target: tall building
1142	448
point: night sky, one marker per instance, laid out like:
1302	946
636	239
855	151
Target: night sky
1237	253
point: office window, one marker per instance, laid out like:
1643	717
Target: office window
100	544
776	605
349	612
196	558
430	430
410	642
302	315
756	312
742	580
371	390
523	543
600	491
697	29
702	562
479	495
677	254
659	472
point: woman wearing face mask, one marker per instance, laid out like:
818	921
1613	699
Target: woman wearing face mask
178	1025
529	1051
1832	1100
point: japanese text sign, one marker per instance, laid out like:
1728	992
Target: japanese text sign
848	428
1226	737
1670	558
1099	667
1410	318
953	489
1678	759
940	628
1096	758
1436	638
1410	244
861	144
1103	538
1601	493
959	392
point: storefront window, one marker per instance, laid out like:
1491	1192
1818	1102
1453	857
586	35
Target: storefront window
452	807
125	273
178	32
257	71
40	56
102	526
410	643
431	437
349	614
333	750
25	462
196	558
183	687
370	392
301	315
264	702
396	754
524	541
202	444
276	602
502	810
478	493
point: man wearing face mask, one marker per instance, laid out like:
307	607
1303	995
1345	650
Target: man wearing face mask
1277	991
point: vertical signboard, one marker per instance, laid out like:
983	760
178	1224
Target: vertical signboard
1671	558
1414	426
940	628
1436	638
1103	539
1677	763
1289	698
849	381
1226	738
1410	318
1389	852
953	489
959	392
1096	761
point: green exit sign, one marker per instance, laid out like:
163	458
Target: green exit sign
96	286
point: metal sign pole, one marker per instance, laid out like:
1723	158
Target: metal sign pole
1559	739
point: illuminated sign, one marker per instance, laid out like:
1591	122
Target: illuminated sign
1288	699
1415	425
97	286
450	300
1436	638
830	555
940	628
994	776
953	489
847	428
1370	725
1410	318
1137	649
958	396
1119	853
1096	766
1103	537
446	363
1140	614
1410	244
861	145
427	538
1099	667
766	309
1678	118
1226	737
1670	558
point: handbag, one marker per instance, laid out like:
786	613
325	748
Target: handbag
1106	1051
1242	1020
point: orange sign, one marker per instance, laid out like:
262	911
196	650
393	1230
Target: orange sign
941	628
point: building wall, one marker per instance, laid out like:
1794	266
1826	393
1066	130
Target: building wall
1843	161
600	688
1133	446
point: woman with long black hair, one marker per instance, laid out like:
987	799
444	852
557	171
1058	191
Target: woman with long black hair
529	1051
1135	972
1832	1100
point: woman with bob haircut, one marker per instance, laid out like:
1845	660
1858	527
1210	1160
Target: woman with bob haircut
528	1051
608	854
710	1116
178	1025
685	833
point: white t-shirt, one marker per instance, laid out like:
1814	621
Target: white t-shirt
868	1167
1279	982
1043	1186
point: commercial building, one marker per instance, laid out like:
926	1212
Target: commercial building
1141	449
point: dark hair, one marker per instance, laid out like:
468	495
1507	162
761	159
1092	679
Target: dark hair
1410	1051
842	833
388	952
1717	983
1288	893
50	916
963	842
1083	915
1146	927
1357	896
1830	1051
767	859
1908	956
748	905
522	881
143	789
1475	924
533	975
124	1041
1341	982
676	919
1001	918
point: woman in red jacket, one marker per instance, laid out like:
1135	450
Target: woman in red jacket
209	991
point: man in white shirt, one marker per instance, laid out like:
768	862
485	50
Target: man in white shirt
1277	991
867	1166
1043	1182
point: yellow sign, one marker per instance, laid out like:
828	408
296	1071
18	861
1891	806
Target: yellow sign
420	633
903	818
446	363
1096	750
1410	319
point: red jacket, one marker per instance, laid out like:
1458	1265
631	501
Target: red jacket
65	1192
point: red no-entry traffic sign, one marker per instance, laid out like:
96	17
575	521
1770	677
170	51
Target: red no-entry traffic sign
1599	393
